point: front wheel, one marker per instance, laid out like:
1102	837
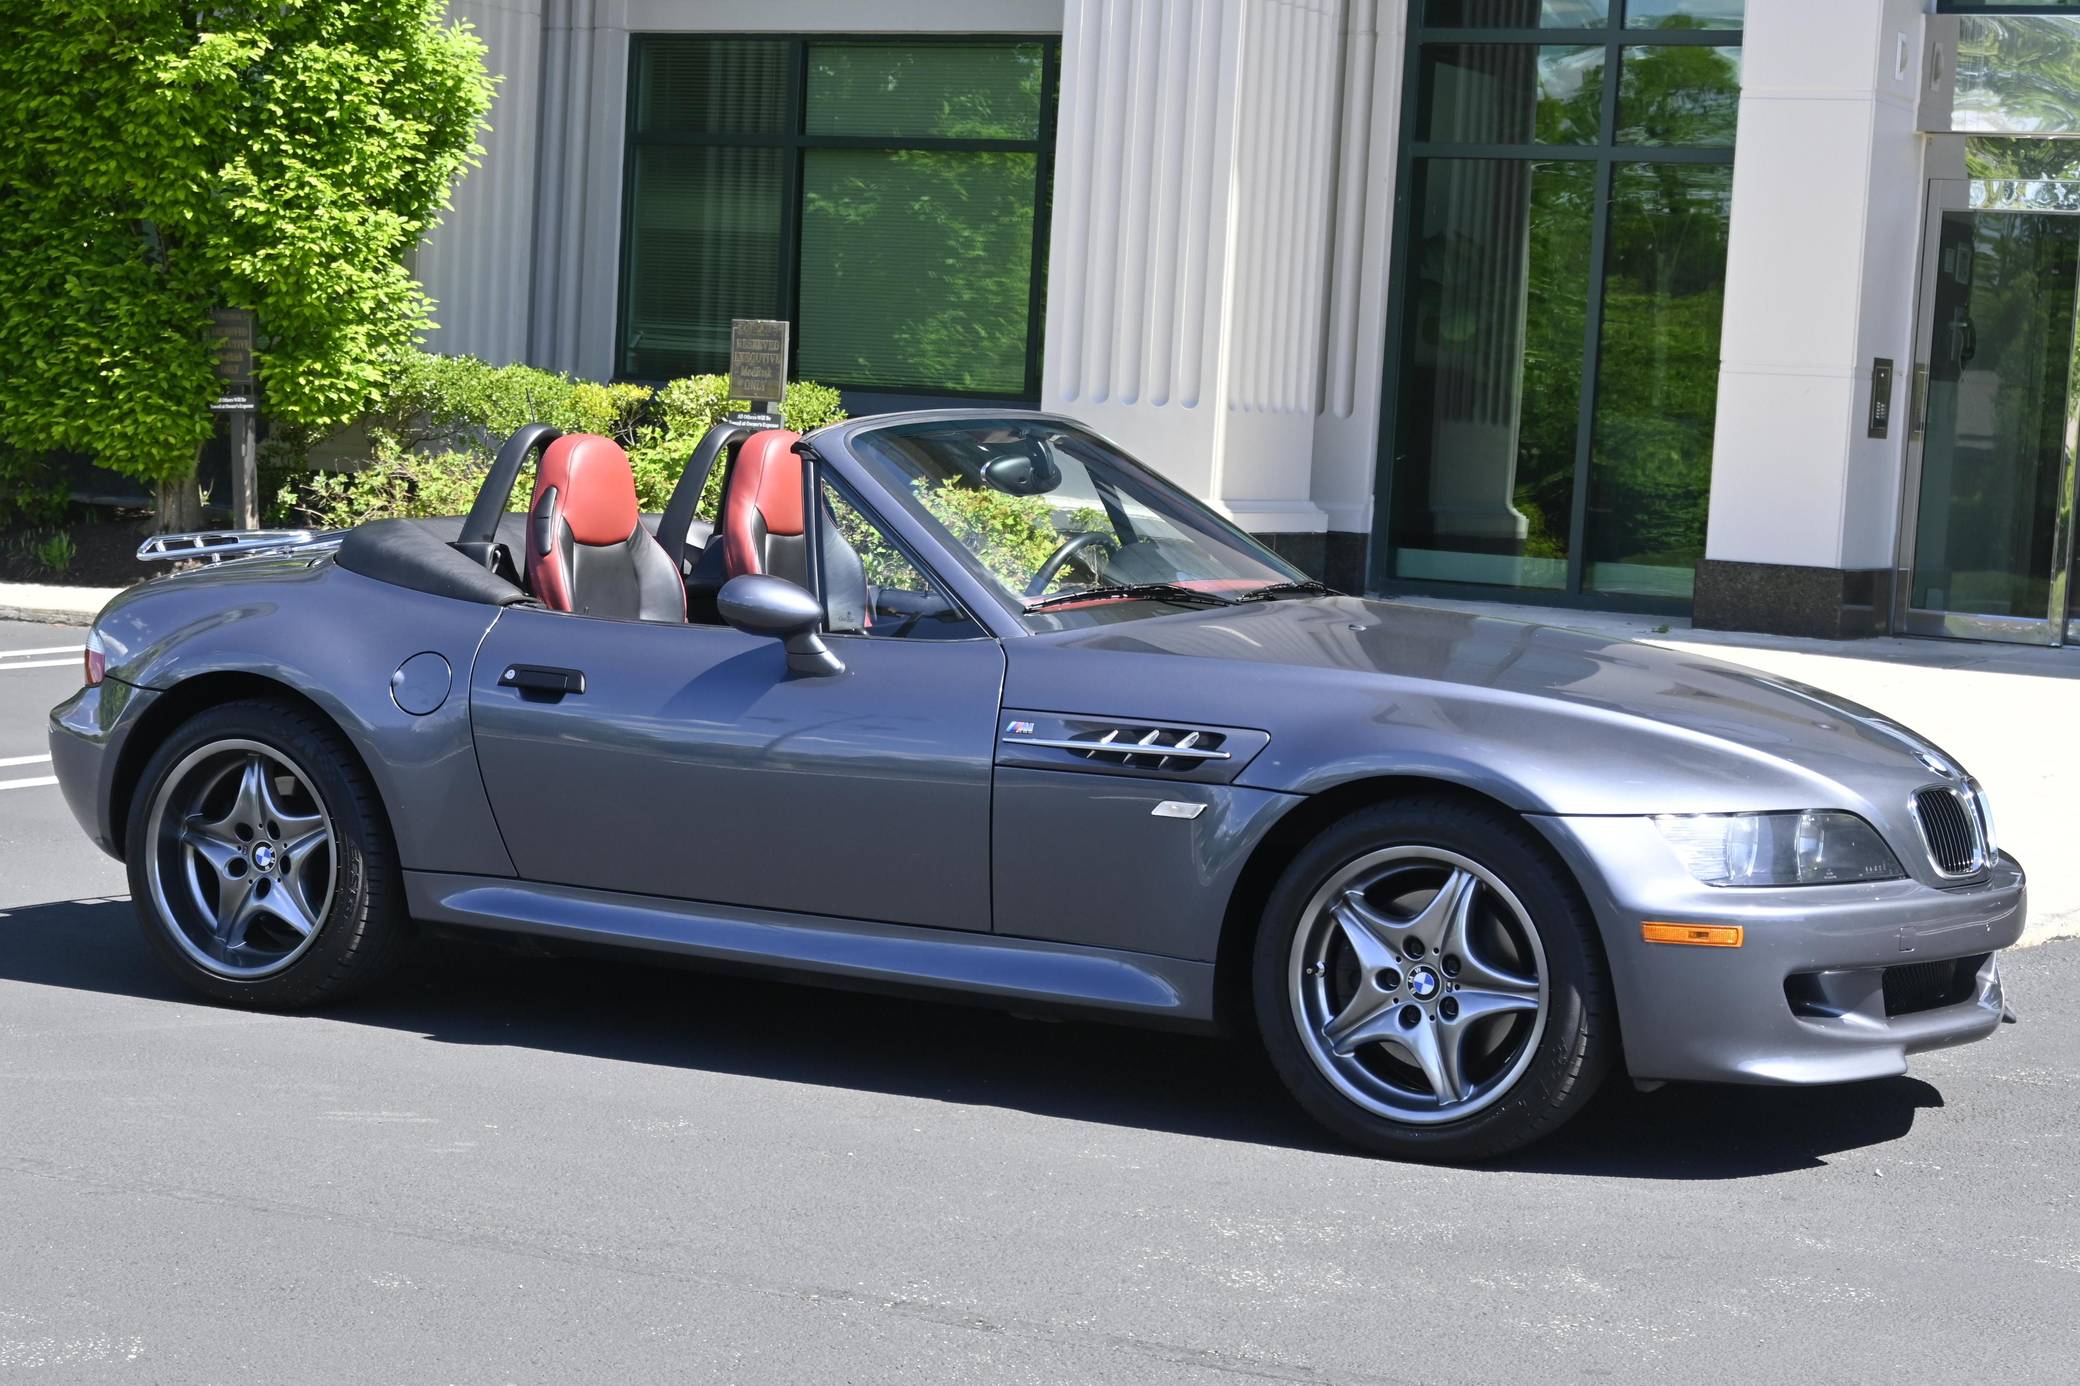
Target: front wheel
261	862
1429	984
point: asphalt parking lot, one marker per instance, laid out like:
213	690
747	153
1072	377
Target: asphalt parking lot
516	1169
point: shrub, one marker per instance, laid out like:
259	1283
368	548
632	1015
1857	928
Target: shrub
434	433
423	484
33	489
55	553
459	403
689	406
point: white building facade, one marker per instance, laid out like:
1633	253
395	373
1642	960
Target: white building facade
1692	306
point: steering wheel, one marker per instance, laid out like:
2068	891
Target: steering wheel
1069	548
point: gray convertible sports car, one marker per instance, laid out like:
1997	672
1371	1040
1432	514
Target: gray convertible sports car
970	702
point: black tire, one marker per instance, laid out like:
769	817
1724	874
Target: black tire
362	930
1561	1067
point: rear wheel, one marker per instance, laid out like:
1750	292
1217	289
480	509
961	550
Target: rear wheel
261	861
1429	985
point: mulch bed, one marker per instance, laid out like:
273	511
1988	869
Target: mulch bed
105	552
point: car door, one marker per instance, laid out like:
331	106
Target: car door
687	761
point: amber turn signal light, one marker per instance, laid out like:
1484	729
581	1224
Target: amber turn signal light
1696	935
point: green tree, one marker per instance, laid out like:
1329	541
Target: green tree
158	160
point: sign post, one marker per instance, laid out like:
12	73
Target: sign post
232	329
758	370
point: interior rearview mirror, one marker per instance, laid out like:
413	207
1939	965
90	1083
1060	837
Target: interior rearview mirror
759	604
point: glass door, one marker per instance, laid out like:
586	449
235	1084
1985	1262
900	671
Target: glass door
1991	454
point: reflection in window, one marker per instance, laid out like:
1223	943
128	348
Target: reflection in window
1491	370
1657	376
1685	14
1510	93
1687	95
916	268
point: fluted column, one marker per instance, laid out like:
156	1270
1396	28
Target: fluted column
1194	229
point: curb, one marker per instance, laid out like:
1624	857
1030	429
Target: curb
46	616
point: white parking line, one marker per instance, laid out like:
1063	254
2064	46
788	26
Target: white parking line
6	761
28	784
45	650
6	667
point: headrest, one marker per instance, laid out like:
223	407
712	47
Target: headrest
596	490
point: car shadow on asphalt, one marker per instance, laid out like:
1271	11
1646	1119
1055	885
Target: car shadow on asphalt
480	993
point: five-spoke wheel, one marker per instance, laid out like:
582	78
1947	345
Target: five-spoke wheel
1419	984
241	863
261	860
1428	981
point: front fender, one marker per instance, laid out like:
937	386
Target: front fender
334	638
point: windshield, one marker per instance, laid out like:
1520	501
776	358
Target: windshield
1045	513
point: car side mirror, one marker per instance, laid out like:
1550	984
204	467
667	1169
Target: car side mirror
759	604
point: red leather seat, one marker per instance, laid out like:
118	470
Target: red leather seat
587	550
762	524
764	529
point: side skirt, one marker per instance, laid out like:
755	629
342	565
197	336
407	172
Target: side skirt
1016	973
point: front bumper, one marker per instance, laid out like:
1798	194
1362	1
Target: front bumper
1803	999
86	734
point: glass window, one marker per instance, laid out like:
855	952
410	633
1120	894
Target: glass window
1517	14
1536	250
1686	94
1685	14
1658	377
872	586
1498	287
917	268
715	86
703	247
884	197
1044	512
943	91
1510	93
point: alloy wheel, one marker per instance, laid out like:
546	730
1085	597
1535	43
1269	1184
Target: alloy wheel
1419	984
243	859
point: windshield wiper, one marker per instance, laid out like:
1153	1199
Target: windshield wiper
1153	591
1282	589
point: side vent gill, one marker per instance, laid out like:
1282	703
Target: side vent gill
1132	747
1165	750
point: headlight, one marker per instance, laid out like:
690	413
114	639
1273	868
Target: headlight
1817	847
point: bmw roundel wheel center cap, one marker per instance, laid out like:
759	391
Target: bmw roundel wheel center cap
263	857
1423	983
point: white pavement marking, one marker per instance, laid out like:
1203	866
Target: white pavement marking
9	666
28	784
45	650
24	760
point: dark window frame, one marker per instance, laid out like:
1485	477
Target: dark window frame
797	141
1606	153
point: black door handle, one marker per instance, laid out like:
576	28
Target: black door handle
542	680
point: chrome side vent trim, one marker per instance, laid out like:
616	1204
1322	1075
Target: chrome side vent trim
1951	832
1146	748
1117	746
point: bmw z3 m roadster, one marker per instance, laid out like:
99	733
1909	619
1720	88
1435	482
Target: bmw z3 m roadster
969	703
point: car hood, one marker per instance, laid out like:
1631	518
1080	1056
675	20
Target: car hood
1548	719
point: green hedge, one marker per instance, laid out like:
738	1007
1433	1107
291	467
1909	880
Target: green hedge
433	435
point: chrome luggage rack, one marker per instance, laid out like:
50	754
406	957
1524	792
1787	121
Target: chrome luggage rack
216	545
